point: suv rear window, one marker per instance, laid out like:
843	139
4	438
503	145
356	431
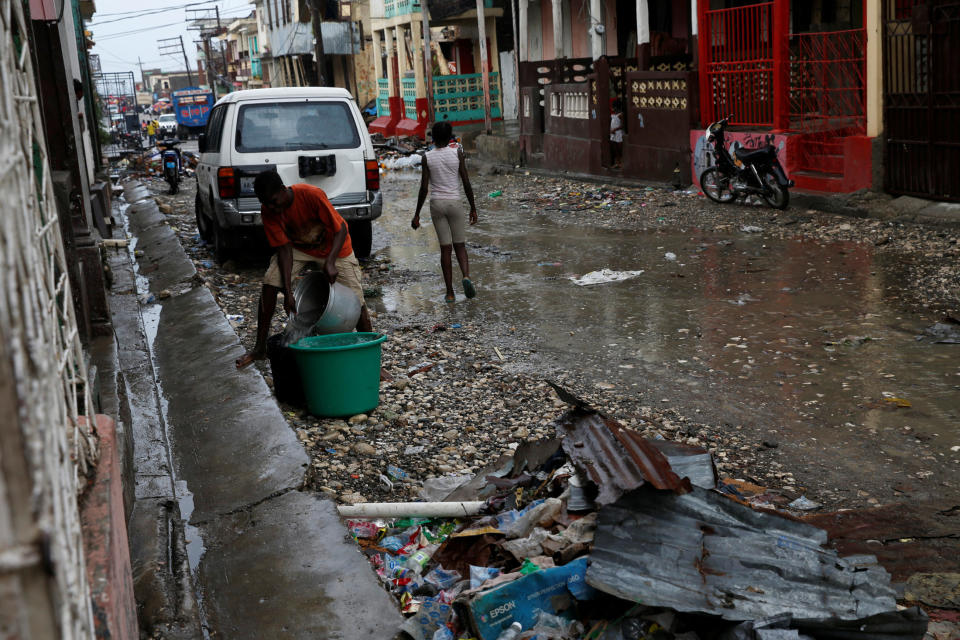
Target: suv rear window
295	126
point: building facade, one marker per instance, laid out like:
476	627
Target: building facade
853	94
454	80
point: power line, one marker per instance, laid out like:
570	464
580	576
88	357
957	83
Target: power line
120	34
140	13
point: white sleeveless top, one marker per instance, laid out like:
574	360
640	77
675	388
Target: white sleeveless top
444	165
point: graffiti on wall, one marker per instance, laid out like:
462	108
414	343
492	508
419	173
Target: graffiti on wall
703	151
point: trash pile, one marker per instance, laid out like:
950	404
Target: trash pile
602	534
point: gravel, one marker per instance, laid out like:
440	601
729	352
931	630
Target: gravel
454	405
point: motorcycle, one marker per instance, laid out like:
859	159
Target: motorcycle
749	172
172	163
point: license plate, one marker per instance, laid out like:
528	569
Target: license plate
172	164
246	185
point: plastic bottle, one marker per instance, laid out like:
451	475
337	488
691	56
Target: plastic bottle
419	559
511	632
495	194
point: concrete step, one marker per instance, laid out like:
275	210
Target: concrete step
823	163
817	181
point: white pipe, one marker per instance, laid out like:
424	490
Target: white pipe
693	17
370	510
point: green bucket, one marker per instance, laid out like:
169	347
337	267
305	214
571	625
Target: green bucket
340	372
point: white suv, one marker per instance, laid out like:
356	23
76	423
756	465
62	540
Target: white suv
313	135
168	125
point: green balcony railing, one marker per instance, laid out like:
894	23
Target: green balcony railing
408	89
460	98
393	8
383	97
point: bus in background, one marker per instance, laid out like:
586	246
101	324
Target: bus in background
192	109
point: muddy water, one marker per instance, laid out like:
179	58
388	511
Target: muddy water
799	338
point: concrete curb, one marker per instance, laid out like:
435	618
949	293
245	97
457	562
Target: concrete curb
267	559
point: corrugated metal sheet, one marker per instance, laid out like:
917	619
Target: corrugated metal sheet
340	38
615	458
687	461
702	552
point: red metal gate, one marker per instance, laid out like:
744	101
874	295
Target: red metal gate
921	85
737	56
827	82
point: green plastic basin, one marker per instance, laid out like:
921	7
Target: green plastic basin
340	372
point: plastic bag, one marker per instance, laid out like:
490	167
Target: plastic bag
479	575
543	514
442	579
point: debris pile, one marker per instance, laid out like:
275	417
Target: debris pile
600	533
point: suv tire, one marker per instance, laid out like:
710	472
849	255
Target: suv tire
221	243
203	223
361	236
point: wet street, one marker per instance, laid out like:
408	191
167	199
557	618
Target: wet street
787	343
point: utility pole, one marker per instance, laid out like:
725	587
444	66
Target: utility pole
317	11
169	46
207	22
427	57
484	67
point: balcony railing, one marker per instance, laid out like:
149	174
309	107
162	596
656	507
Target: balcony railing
392	8
408	89
383	97
459	98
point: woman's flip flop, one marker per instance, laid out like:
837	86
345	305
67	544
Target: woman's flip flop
468	289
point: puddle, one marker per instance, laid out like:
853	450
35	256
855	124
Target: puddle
771	330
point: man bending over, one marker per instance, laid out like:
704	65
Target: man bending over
304	227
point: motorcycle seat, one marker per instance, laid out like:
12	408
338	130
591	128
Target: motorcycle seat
748	156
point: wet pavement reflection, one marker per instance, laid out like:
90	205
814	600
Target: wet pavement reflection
783	334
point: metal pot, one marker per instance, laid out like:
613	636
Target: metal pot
323	309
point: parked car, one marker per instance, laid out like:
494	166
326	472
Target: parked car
313	135
168	124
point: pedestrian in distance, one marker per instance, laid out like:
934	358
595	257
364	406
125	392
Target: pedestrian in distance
616	134
302	225
151	132
444	169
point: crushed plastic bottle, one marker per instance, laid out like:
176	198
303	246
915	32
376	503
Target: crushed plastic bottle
495	194
511	632
397	473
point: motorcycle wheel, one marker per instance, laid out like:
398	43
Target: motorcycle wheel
716	186
775	194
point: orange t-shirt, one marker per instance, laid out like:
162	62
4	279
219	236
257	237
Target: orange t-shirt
309	224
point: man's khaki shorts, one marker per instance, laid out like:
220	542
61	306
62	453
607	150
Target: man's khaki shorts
349	268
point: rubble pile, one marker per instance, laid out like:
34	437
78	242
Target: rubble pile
600	533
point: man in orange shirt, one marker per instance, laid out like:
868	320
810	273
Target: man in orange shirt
304	227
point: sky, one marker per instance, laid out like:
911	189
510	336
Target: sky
126	29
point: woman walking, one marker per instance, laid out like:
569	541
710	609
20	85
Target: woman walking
443	169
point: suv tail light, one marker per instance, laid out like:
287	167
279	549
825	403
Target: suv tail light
227	182
373	175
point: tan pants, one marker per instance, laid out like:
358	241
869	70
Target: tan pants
349	268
